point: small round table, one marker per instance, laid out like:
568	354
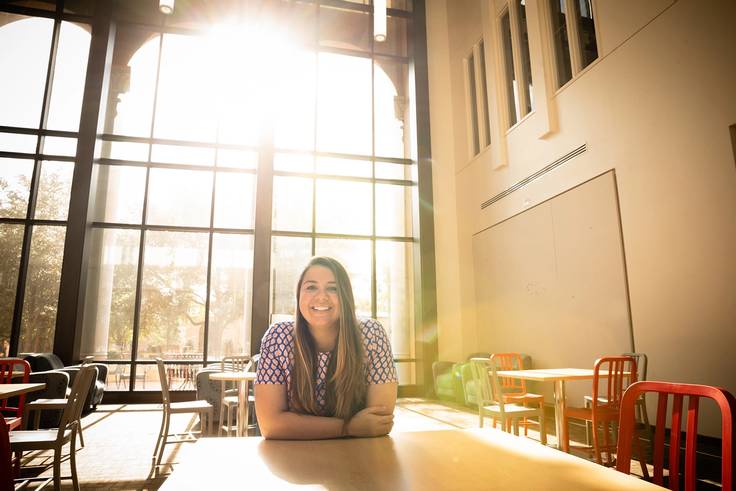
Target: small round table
243	378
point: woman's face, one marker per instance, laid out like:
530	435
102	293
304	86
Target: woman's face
318	299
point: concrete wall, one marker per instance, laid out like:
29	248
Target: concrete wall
656	108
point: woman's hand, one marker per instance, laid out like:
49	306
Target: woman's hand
371	421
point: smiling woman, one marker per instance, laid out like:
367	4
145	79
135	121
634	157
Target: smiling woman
327	374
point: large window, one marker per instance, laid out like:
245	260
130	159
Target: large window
41	91
287	127
574	38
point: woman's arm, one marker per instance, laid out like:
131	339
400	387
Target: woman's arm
277	422
382	395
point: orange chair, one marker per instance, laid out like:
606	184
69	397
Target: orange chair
13	370
611	376
514	390
627	423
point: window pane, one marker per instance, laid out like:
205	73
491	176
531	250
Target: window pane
179	197
289	256
294	104
11	239
118	194
293	162
344	207
344	167
389	170
12	142
21	95
526	64
395	294
512	96
342	28
69	75
136	152
186	104
15	185
38	322
355	256
473	106
235	200
54	190
392	109
133	81
586	30
292	204
230	295
393	210
484	92
181	154
59	146
173	296
562	45
241	159
109	303
344	119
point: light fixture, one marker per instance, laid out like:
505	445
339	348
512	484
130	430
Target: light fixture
379	20
166	6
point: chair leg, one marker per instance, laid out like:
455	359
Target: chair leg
81	437
222	418
515	424
57	468
158	439
480	418
596	443
564	439
73	460
542	429
164	437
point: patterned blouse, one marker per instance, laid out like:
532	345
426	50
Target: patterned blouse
277	359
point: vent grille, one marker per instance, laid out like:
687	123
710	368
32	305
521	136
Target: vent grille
574	153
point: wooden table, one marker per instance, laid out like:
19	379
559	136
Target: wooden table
243	379
432	460
6	469
559	376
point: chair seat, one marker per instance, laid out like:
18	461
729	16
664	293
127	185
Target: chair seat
189	406
603	413
512	409
23	440
47	404
523	397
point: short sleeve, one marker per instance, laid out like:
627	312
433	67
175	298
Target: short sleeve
380	369
273	363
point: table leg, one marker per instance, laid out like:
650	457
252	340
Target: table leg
246	408
242	401
559	409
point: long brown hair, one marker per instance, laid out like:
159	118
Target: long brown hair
346	388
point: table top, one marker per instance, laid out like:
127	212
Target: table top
11	390
233	376
438	460
551	374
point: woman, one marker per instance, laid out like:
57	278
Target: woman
325	375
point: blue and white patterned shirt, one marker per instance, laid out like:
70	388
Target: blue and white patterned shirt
277	359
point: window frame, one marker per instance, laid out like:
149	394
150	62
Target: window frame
523	104
574	40
476	100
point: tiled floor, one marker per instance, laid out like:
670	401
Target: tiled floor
120	440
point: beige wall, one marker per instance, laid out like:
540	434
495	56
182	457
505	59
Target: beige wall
655	107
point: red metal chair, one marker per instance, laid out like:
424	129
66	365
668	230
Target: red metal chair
722	397
13	370
514	390
608	389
